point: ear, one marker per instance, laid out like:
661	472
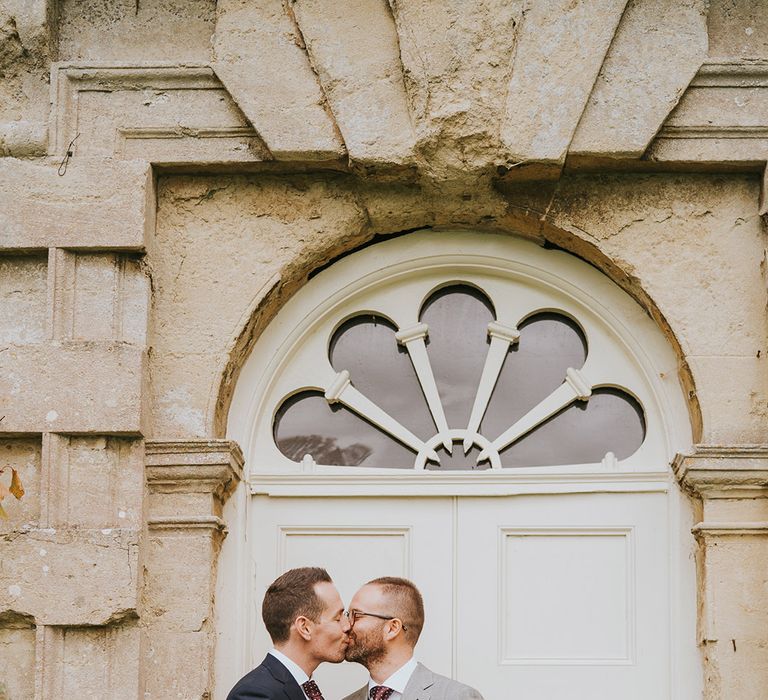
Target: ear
392	629
303	626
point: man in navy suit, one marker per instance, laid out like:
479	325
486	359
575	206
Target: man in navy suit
304	616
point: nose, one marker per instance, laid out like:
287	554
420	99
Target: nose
345	625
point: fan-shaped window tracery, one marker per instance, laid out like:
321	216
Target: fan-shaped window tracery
462	388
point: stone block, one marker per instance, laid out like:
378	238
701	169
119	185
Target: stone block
169	30
17	657
393	208
172	506
177	665
560	48
70	577
736	510
92	662
261	59
24	455
40	209
742	667
23	297
709	146
99	296
30	18
658	48
252	226
733	395
457	59
180	602
72	387
94	297
707	231
181	397
166	114
354	49
738	29
23	138
96	482
27	39
724	94
720	118
737	592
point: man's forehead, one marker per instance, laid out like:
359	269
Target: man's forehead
368	595
327	592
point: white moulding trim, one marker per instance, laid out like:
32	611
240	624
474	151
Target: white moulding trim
406	482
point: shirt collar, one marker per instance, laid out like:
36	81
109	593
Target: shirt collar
293	668
399	679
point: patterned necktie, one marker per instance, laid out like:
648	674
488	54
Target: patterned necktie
312	691
380	692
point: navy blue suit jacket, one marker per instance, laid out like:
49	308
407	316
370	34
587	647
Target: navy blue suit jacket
270	680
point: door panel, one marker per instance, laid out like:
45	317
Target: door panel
357	540
564	597
553	597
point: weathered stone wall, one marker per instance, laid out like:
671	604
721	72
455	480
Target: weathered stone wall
225	150
223	243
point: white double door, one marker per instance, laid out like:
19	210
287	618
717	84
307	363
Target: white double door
545	597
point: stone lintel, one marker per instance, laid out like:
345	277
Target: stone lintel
720	471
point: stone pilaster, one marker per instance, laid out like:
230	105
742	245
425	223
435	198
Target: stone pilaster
188	483
732	483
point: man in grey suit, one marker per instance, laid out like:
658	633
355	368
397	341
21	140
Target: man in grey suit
386	617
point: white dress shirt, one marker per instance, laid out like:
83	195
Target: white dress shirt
397	681
293	668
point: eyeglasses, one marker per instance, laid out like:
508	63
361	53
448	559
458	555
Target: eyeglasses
352	616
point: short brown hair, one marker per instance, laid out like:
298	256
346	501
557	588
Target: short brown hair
290	596
407	604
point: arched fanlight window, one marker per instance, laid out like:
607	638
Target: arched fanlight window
507	396
478	353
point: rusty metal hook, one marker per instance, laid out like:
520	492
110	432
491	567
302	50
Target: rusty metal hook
65	161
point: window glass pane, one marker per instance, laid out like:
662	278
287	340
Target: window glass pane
458	318
307	424
381	369
582	433
533	368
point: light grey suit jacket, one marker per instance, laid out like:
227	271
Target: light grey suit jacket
425	685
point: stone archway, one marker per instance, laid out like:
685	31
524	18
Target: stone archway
334	485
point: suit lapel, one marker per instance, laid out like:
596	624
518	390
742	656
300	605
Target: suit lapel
281	674
420	684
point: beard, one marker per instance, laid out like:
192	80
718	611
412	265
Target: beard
365	649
